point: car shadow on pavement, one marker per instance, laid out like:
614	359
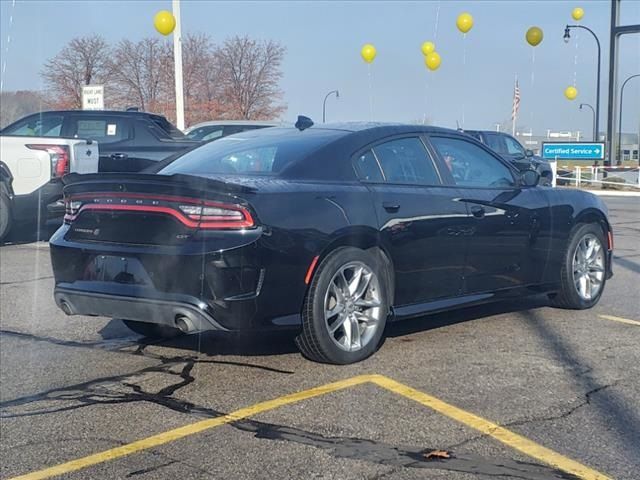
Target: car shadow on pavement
600	395
439	320
215	343
29	232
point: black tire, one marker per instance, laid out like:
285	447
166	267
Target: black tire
152	330
315	342
568	296
6	219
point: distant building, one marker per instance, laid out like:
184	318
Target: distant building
630	142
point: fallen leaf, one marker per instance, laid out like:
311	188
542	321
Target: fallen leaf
437	454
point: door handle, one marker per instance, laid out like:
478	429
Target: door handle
119	156
391	206
478	212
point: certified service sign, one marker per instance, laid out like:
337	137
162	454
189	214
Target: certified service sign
93	97
573	151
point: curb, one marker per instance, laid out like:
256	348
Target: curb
605	193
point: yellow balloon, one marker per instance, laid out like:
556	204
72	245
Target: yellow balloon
571	93
368	53
534	36
577	13
464	22
164	22
432	61
427	48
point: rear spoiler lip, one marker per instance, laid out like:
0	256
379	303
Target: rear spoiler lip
179	180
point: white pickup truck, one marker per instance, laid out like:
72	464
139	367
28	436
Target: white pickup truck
31	171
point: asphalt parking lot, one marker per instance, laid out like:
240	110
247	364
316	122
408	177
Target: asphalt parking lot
517	390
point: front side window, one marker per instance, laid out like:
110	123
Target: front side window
513	147
36	126
472	166
406	161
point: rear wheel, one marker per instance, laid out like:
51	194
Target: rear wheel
5	212
151	330
346	309
583	274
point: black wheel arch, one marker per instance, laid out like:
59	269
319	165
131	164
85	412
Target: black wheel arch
593	215
364	238
6	178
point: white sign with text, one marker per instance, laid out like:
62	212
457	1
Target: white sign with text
93	97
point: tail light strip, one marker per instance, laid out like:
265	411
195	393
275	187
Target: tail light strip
238	217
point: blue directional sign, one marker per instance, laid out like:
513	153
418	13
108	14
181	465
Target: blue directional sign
573	151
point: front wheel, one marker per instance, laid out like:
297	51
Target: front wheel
346	308
583	274
151	330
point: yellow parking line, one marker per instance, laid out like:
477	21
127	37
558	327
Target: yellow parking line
493	430
620	319
181	432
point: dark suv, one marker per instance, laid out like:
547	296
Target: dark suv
128	141
510	149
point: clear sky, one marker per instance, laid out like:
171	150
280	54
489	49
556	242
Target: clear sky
323	41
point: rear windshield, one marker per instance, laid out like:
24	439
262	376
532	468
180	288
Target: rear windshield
258	152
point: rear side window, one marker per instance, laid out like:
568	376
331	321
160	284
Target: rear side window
109	130
367	167
496	143
36	126
206	133
406	161
258	152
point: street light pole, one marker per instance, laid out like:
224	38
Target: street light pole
620	118
177	65
595	134
324	103
566	39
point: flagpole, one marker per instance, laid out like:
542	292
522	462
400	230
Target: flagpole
514	112
177	65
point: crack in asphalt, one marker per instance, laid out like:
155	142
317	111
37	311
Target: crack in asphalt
31	280
537	419
98	391
109	390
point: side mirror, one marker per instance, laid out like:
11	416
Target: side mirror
528	153
529	178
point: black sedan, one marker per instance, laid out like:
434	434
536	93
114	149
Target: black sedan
334	230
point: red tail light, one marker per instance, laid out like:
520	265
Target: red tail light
59	155
191	213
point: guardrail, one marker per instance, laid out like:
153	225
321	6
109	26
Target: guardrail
604	177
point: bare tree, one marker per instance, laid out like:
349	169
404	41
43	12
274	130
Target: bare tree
140	72
16	105
201	79
83	61
251	72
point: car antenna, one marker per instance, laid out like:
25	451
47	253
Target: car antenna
303	123
458	126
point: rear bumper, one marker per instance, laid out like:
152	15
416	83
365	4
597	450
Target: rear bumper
151	310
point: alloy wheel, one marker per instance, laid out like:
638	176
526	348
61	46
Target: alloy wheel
352	306
588	267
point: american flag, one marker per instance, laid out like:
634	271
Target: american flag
516	102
